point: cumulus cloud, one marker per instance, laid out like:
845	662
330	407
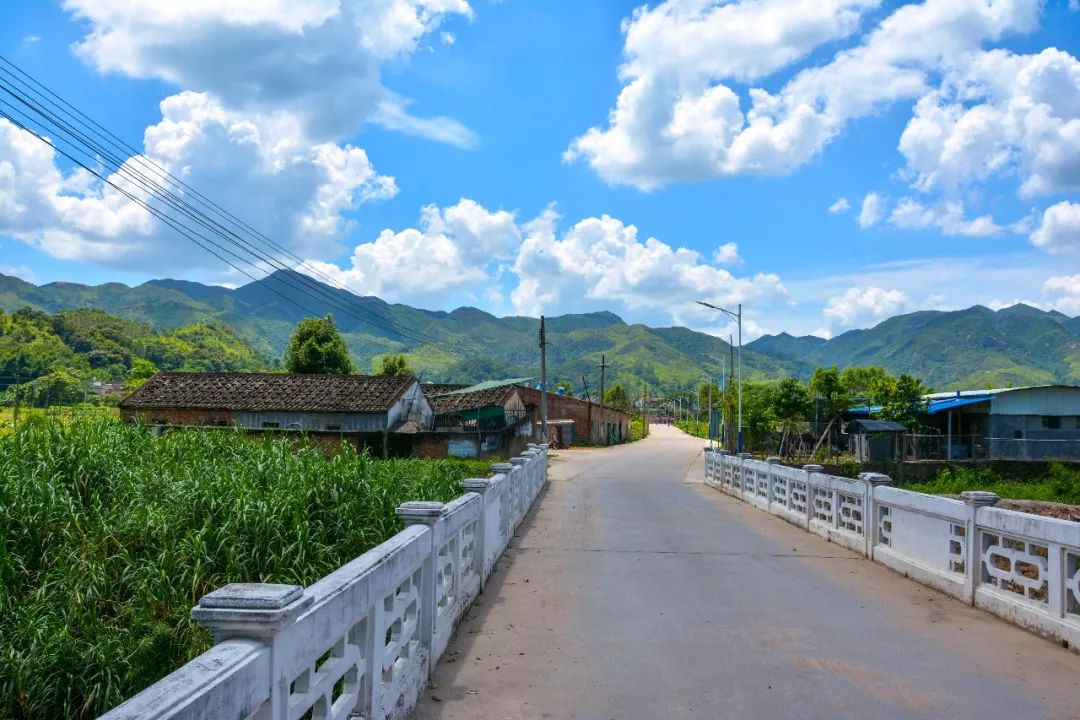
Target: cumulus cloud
999	113
283	186
454	249
319	62
727	254
1063	294
948	217
602	263
270	93
861	306
871	211
1059	231
840	206
676	119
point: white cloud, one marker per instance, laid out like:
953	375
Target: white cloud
448	38
270	91
676	120
727	254
262	170
602	263
946	216
840	206
859	306
31	40
1063	294
316	61
871	211
1000	113
454	250
1059	231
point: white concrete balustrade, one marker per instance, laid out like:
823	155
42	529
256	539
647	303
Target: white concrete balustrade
362	641
1022	567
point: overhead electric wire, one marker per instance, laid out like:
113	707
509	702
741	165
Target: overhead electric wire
179	204
123	168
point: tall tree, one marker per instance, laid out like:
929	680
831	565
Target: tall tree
617	398
316	347
906	401
394	365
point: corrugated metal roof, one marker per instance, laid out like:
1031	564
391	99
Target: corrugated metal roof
947	404
871	426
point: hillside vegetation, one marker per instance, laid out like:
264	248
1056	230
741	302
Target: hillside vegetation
972	348
55	356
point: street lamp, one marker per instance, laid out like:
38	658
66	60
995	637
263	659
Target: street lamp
737	317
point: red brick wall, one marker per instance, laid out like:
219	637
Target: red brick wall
568	408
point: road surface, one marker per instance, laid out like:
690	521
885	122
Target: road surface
634	591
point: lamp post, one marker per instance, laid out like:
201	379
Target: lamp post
737	317
708	415
723	395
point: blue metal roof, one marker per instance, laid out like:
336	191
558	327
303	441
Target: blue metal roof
937	406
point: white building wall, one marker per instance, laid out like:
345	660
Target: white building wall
1042	401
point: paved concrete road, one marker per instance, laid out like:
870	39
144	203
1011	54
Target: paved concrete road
635	591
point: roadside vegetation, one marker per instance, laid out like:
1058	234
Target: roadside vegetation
1059	483
109	535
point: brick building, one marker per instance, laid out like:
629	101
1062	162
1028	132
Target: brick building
380	413
589	427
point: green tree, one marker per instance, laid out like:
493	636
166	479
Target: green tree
317	347
867	383
393	365
906	401
141	371
791	401
827	386
616	397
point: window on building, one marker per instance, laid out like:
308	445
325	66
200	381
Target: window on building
335	428
1051	422
271	425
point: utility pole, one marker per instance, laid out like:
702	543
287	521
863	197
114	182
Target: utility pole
543	383
588	409
15	414
603	367
645	412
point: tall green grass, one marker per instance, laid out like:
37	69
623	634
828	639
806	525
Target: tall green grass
1059	484
109	535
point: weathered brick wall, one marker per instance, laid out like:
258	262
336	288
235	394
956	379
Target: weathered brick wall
561	407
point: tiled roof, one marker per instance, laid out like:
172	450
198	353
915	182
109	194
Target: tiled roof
269	392
441	388
487	394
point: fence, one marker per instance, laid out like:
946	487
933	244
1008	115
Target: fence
361	641
1021	567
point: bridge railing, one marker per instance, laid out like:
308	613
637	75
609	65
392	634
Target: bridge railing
1022	567
363	640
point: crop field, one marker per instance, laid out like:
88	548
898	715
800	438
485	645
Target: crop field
1059	483
109	535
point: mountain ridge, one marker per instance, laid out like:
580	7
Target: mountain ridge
973	347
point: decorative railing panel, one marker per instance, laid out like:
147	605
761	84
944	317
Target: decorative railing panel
1022	567
362	641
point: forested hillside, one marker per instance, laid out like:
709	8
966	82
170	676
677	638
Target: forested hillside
57	356
244	327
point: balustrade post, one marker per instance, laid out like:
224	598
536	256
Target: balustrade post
771	460
742	472
431	514
811	493
870	519
510	498
256	611
974	499
481	486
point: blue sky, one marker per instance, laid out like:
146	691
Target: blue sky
826	163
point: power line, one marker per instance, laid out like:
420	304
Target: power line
98	149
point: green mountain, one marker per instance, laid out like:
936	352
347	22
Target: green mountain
976	347
972	348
